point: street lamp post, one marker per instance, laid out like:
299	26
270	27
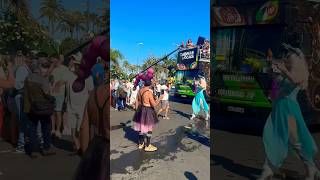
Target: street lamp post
139	44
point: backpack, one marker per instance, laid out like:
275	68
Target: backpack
122	93
40	103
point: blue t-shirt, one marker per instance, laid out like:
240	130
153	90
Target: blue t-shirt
98	69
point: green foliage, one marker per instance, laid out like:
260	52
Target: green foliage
18	35
67	45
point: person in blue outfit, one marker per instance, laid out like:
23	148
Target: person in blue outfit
98	72
285	130
199	102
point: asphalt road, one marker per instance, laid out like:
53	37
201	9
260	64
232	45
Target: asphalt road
180	155
238	152
61	166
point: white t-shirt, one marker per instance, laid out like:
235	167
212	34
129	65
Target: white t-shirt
158	88
21	74
58	75
76	101
165	95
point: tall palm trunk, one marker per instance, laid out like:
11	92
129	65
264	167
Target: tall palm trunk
71	33
52	28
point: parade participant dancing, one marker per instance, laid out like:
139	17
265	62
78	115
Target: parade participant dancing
145	117
199	102
99	47
94	138
285	126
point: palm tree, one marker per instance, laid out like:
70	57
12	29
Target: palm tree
79	22
115	57
20	9
68	23
126	65
51	9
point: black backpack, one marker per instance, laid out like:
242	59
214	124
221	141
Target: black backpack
41	104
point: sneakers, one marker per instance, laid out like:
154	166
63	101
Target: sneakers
192	117
207	117
141	146
150	148
267	172
58	134
20	150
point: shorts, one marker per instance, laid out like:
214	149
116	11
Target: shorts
164	104
75	120
59	103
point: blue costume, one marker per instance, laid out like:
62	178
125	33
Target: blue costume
276	134
276	131
196	103
199	102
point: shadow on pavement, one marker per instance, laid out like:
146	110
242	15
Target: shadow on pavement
190	175
231	166
181	100
62	144
199	138
241	125
130	134
183	114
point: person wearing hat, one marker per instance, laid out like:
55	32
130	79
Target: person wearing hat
76	101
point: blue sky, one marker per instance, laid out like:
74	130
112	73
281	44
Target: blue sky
158	24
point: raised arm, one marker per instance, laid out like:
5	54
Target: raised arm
153	102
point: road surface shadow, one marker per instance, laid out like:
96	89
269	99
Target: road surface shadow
130	134
180	100
167	149
64	144
240	125
190	175
183	114
199	138
231	166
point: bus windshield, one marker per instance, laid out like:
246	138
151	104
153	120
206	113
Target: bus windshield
186	76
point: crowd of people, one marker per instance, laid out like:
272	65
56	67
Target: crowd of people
37	88
204	48
124	94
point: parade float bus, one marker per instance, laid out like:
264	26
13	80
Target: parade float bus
247	36
191	62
